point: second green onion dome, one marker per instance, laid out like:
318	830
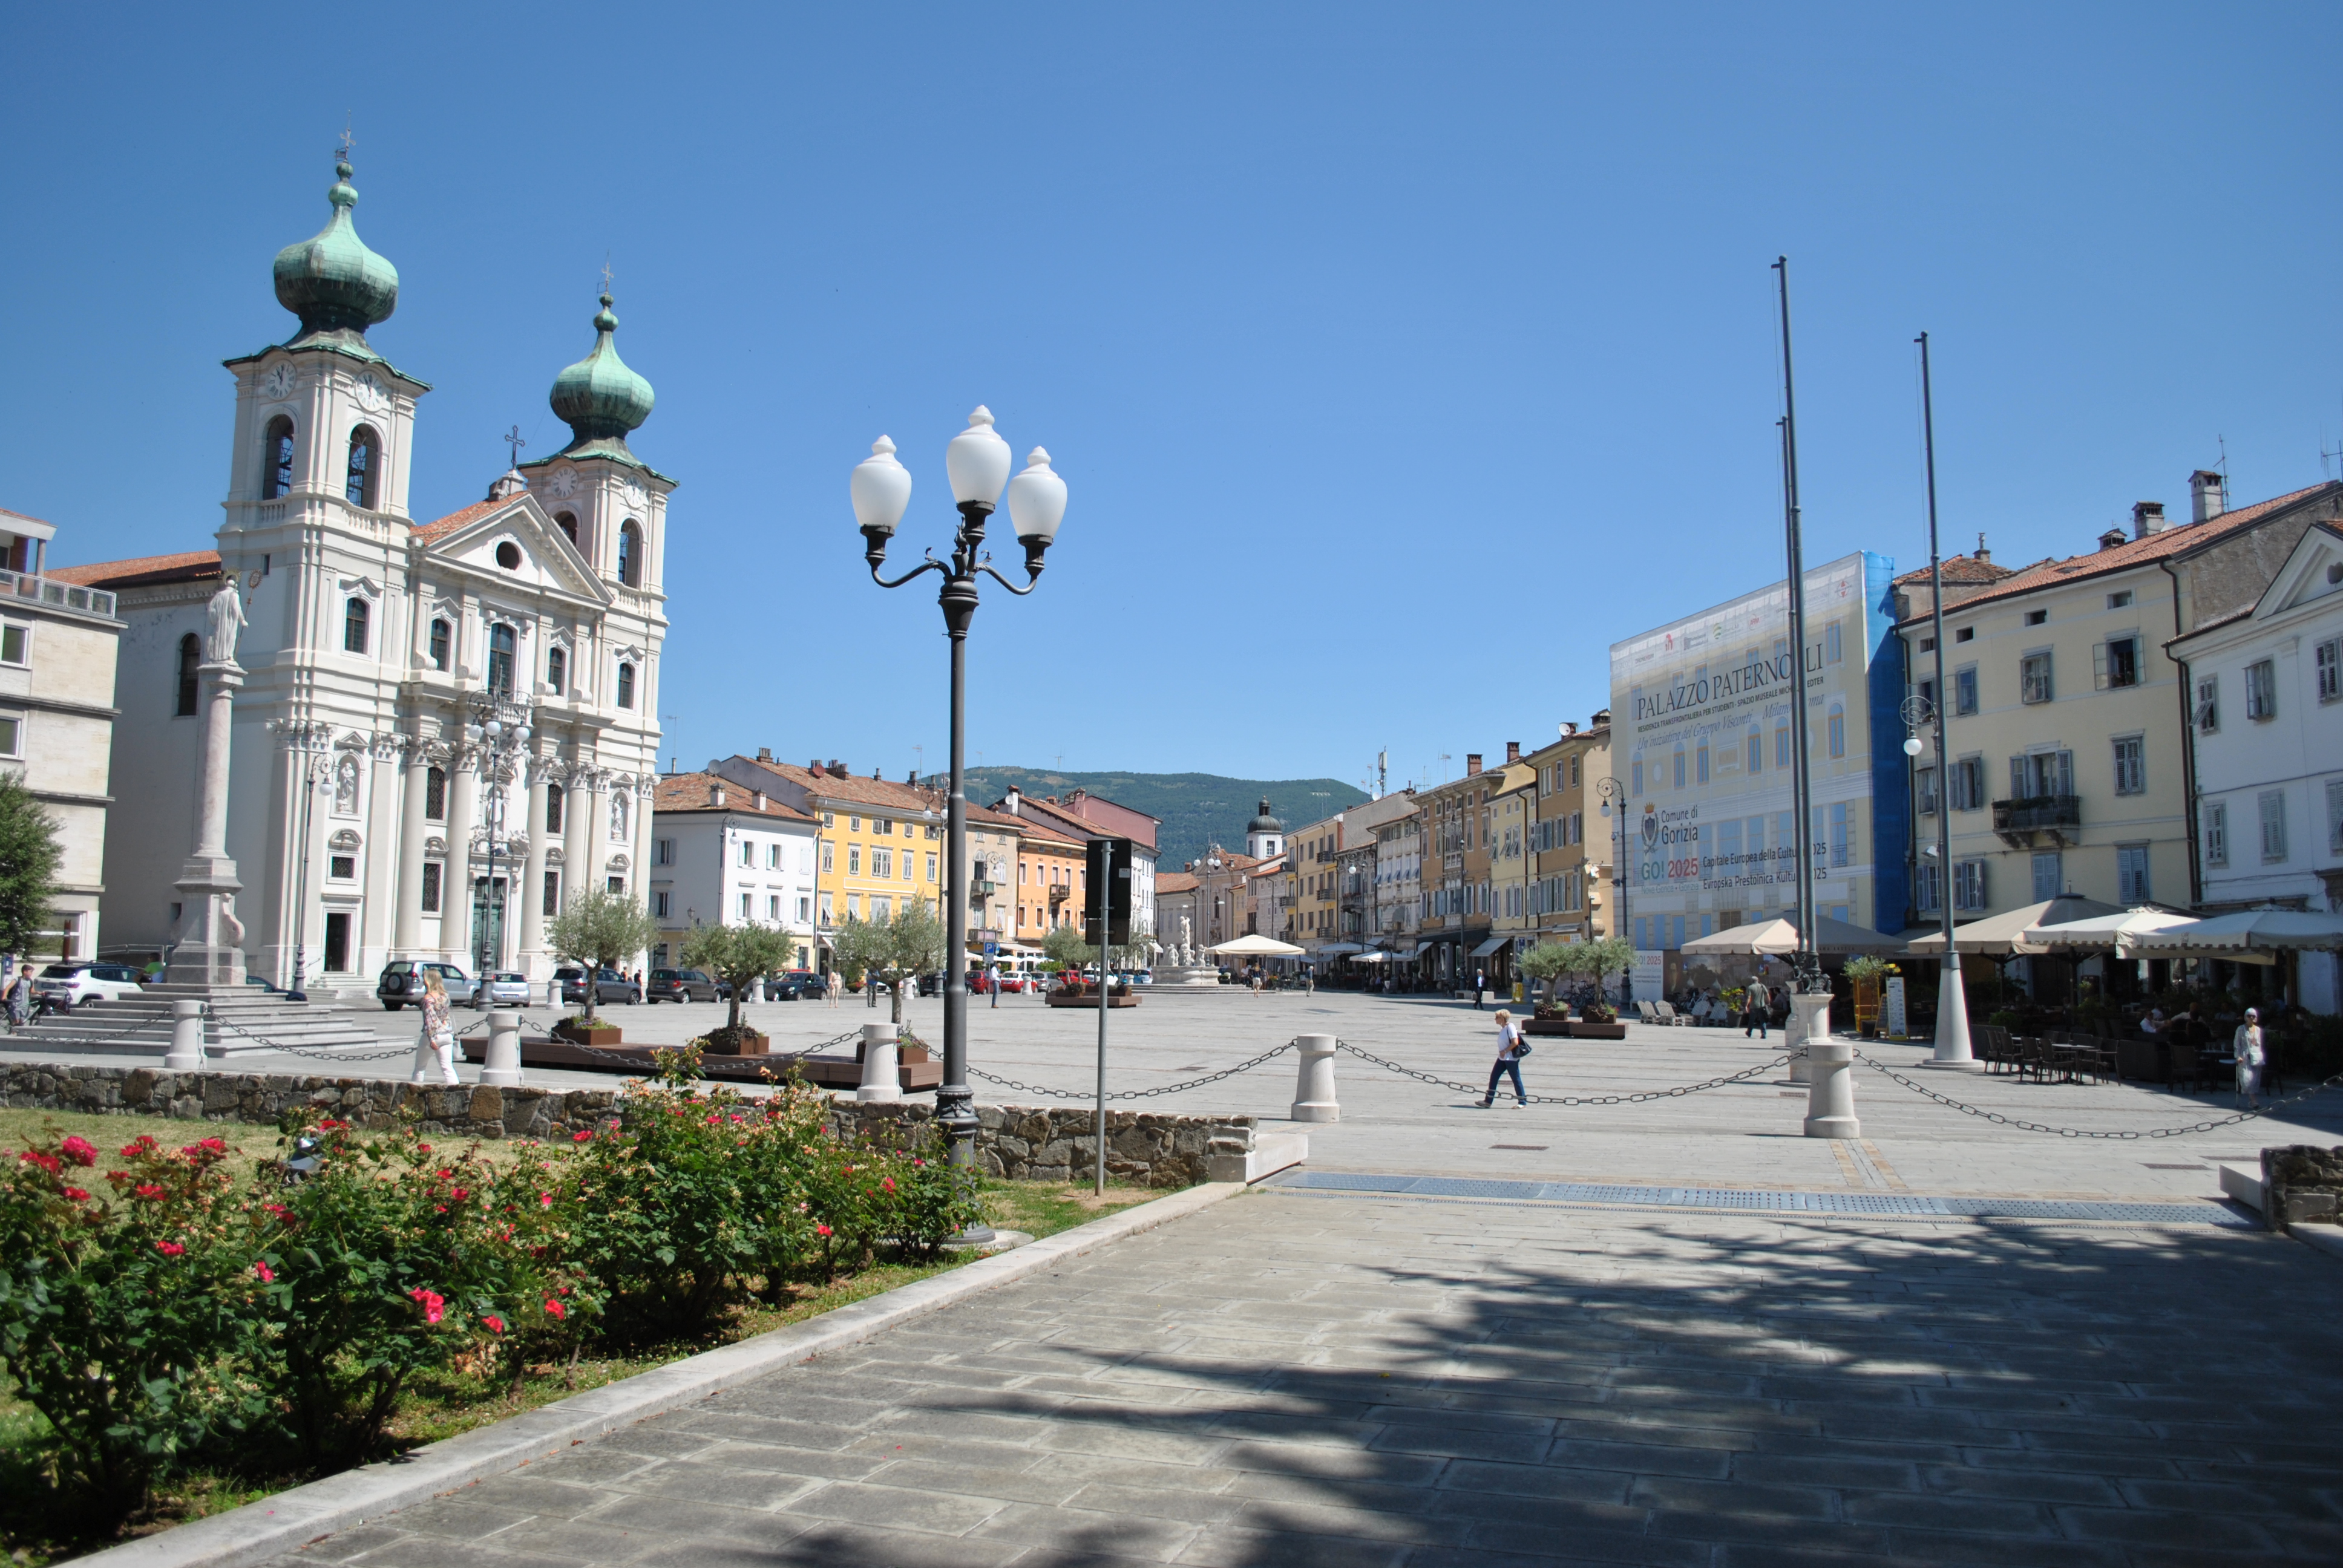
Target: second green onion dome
598	398
331	280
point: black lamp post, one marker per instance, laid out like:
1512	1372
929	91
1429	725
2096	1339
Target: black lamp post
500	727
1613	795
978	461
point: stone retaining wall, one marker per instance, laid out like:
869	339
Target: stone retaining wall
2302	1184
1027	1144
1019	1142
376	1103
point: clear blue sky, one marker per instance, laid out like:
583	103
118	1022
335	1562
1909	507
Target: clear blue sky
1398	358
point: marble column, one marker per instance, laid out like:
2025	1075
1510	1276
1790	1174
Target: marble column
413	830
531	891
456	881
582	807
373	940
210	947
638	870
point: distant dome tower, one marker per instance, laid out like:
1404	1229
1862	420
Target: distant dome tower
606	501
1265	835
332	281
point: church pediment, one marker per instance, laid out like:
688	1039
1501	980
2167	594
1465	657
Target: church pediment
513	543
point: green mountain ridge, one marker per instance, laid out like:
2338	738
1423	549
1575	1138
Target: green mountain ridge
1196	808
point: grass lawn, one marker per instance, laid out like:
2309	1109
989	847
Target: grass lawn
32	1535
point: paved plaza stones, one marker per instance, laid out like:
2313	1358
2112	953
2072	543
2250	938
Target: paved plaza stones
1300	1378
1305	1375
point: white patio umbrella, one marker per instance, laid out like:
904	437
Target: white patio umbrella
1256	947
1775	938
1999	936
2240	937
2103	932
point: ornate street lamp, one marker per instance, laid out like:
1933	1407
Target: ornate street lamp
498	729
977	462
1613	796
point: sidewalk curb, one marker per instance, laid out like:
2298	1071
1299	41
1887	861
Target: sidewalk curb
271	1526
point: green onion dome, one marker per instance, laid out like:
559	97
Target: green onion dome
332	281
598	398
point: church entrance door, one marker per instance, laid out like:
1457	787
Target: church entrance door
488	924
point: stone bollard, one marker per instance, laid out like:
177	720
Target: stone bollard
186	1052
1809	1020
1830	1093
881	1079
1313	1086
503	1066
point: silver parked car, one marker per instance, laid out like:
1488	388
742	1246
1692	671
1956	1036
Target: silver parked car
402	984
505	988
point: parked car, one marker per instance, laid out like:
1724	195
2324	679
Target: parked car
72	984
680	986
932	985
401	984
610	986
797	984
506	988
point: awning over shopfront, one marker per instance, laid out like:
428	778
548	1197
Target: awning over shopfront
1335	951
1493	946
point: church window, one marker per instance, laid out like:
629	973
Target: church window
435	795
354	626
191	655
552	905
501	645
509	556
441	633
276	459
431	872
366	468
553	798
568	522
625	686
630	553
556	669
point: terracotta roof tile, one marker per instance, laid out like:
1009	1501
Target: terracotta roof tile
431	532
186	566
863	791
25	517
1963	569
677	792
1173	882
2052	572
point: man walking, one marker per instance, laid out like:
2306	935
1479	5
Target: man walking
1480	988
1756	1006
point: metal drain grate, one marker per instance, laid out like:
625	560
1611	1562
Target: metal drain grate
1886	1203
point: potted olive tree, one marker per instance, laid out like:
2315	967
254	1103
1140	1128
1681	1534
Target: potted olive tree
597	930
738	955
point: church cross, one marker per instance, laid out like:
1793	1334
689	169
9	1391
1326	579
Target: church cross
606	275
512	438
349	141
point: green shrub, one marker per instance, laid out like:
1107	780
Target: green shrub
124	1322
389	1260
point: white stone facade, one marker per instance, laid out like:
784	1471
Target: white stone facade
371	641
725	854
2267	727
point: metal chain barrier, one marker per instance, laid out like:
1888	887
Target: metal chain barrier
1092	1094
1637	1098
2127	1136
141	1026
228	1026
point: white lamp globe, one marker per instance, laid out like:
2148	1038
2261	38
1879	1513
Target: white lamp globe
978	460
1911	747
1036	500
882	488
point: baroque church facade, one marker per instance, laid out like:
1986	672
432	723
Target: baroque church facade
372	812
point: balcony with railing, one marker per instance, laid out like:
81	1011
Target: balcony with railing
2039	820
49	591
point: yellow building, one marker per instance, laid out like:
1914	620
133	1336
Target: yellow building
878	845
1570	871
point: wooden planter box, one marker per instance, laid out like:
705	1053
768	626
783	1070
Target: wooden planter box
1548	1026
600	1034
1581	1029
1090	998
747	1042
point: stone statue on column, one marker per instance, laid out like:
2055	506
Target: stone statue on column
208	949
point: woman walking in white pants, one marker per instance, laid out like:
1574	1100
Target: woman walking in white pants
435	1043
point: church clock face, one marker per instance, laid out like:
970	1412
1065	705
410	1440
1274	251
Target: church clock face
563	484
635	495
370	394
278	382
